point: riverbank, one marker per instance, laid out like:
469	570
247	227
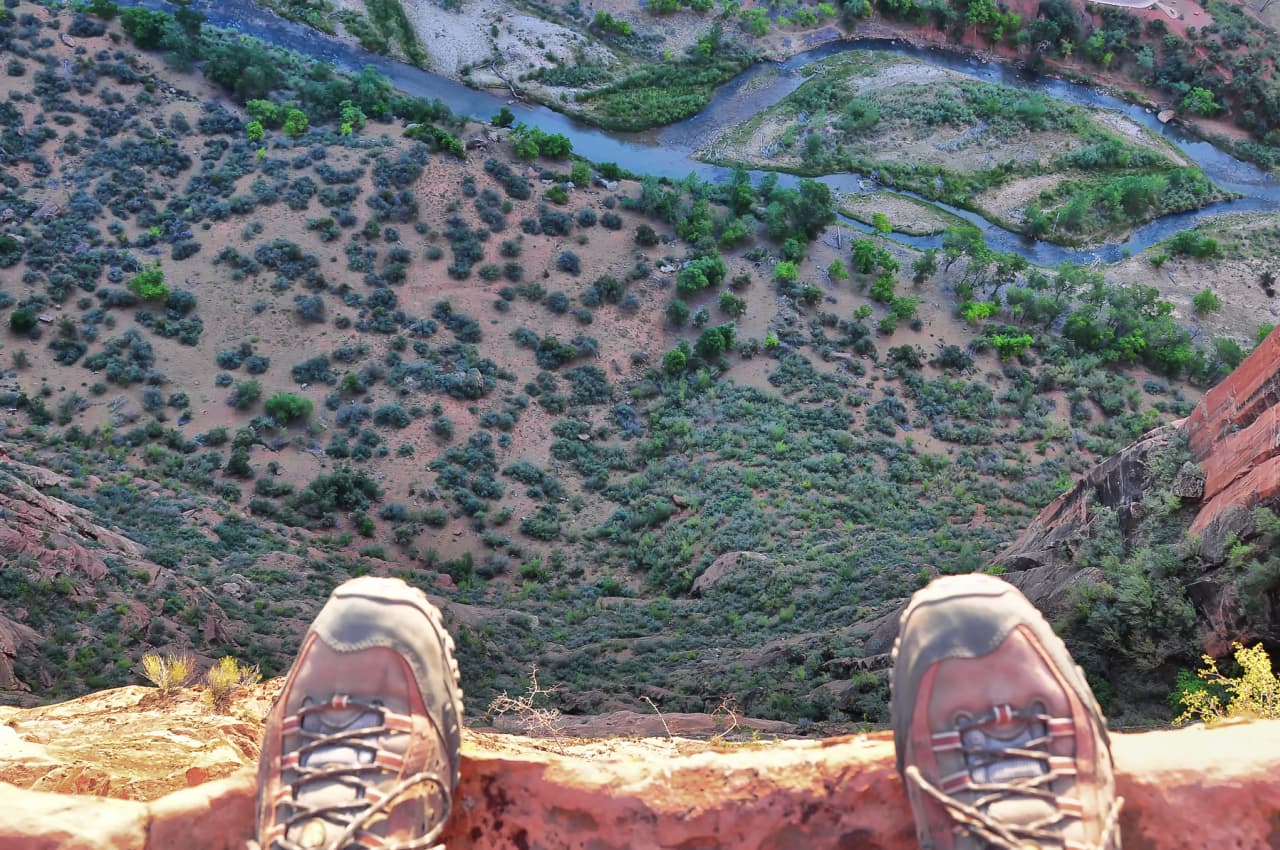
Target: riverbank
1020	158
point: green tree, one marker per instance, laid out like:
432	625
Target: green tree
1200	101
504	118
254	131
351	115
287	407
265	112
732	305
145	27
295	122
1254	693
148	284
676	360
713	342
925	266
22	320
1010	345
882	289
244	394
677	313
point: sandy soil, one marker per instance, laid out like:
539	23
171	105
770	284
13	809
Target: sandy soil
1250	242
907	215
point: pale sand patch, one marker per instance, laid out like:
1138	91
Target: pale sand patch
462	39
1008	201
907	215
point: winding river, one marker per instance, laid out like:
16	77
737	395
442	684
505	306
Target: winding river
668	152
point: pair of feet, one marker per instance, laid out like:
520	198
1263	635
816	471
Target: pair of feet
999	740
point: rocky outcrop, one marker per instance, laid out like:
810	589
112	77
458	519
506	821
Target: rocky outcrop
1233	438
1190	788
15	639
1119	483
52	544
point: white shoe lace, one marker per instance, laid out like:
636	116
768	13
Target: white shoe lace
350	757
1017	769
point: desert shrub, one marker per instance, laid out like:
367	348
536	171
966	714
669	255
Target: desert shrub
1206	301
149	284
168	671
224	677
287	407
125	360
557	302
392	415
184	248
554	223
310	308
316	370
514	185
646	236
22	320
245	394
1255	693
343	489
678	313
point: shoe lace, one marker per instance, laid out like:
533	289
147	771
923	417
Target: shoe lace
1030	770
368	801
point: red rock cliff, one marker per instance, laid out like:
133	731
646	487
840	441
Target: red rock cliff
1185	789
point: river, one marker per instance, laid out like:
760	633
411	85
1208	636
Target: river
668	152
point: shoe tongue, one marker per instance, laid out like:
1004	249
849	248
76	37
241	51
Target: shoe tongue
319	832
1012	807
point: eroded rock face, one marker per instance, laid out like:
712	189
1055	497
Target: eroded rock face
1189	788
53	543
1234	438
15	639
1119	483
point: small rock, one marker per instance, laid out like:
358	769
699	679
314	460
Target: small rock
1190	481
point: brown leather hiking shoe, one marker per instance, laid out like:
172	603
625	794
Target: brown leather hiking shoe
1000	742
362	748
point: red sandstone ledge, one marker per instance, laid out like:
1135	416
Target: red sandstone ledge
1190	788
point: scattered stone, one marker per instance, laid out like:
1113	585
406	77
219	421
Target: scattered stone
1190	481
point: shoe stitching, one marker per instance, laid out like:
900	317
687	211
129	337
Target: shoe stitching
972	817
374	801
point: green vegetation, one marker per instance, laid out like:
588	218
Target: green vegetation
22	320
1205	302
1254	694
287	407
1102	183
149	284
813	439
667	91
389	18
317	14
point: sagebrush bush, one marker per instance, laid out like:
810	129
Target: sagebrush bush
168	671
224	677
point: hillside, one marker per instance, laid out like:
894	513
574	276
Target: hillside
267	327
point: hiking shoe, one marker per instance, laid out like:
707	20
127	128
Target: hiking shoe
361	750
1000	742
